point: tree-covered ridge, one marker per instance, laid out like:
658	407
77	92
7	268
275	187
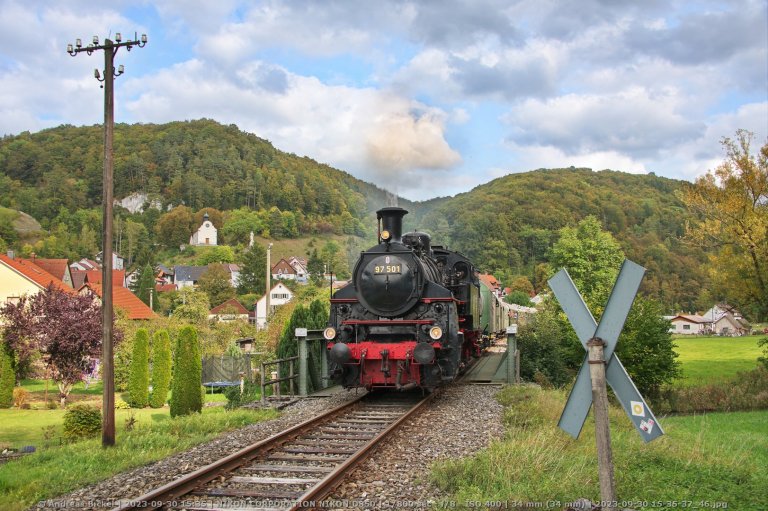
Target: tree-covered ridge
509	225
197	163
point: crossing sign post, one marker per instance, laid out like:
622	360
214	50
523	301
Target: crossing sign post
600	342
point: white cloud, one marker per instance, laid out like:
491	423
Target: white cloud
634	122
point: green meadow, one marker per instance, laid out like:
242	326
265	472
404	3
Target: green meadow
715	359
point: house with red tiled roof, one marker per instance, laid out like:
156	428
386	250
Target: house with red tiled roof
59	268
689	324
20	277
94	277
231	310
123	299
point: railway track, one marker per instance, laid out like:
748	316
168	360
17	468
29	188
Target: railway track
293	469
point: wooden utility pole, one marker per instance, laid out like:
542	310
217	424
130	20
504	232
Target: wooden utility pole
602	426
107	314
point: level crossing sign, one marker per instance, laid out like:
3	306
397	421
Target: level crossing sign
611	323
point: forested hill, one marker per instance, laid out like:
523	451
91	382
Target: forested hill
509	224
197	163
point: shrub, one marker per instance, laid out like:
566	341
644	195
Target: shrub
20	397
186	397
747	391
251	392
7	377
121	405
138	382
161	368
82	421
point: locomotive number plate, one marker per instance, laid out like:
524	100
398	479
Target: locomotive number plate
387	269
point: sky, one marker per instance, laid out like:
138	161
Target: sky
424	98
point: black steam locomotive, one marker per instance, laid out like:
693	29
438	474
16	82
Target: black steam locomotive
410	316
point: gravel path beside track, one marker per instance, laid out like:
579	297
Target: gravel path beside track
458	423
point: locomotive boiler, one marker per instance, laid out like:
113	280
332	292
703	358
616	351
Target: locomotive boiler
408	318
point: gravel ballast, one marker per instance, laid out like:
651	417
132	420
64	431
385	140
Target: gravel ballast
458	422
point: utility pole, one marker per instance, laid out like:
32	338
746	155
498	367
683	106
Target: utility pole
107	314
269	279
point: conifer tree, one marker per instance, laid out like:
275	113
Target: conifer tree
138	381
161	368
144	287
186	394
7	376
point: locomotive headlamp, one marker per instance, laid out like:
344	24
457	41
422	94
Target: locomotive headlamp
329	333
435	332
385	235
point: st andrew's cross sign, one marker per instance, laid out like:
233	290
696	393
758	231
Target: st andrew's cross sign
611	324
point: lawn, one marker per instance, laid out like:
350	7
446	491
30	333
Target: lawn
715	359
31	427
700	461
56	469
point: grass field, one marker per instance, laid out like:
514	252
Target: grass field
57	469
713	359
30	427
700	461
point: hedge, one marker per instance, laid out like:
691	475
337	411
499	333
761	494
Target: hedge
186	396
7	377
138	381
161	368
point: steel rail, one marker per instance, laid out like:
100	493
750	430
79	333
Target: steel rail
329	482
174	490
159	497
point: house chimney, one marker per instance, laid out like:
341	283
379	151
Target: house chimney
11	254
33	256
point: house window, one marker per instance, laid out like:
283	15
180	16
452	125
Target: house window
686	327
13	300
280	296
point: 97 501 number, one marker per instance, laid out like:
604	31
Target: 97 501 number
386	269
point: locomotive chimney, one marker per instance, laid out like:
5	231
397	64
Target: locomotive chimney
391	223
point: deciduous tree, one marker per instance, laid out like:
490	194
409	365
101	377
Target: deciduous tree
175	227
591	256
215	282
64	328
732	202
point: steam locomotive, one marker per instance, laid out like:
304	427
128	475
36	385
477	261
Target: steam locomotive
410	316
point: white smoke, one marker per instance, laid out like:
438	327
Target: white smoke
405	137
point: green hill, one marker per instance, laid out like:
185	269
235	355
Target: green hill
506	225
509	224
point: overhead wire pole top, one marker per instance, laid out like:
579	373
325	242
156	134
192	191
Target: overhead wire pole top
110	49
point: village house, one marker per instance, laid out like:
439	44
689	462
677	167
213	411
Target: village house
279	295
690	324
187	276
20	277
206	234
122	299
231	310
727	320
283	271
118	261
59	268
